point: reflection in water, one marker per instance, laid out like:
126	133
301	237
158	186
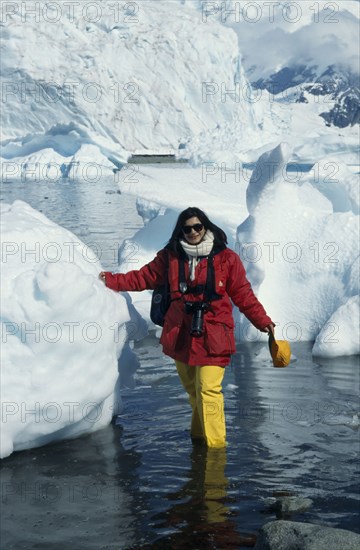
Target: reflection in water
199	514
71	494
300	430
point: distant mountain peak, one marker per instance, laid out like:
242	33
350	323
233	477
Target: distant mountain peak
338	82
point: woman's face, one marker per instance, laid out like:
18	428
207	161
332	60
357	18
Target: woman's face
197	233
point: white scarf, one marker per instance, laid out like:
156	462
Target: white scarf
195	250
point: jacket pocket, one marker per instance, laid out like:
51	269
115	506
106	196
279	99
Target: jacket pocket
170	336
219	339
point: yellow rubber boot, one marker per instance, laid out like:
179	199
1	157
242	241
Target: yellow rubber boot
210	404
187	376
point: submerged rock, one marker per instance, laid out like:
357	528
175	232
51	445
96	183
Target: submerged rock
290	535
287	505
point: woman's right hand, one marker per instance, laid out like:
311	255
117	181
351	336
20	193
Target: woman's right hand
102	276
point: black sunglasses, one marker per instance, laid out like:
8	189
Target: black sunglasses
196	227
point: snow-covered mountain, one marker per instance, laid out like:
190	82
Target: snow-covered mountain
89	83
113	80
303	48
339	86
302	60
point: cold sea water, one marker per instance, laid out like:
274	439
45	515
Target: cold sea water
140	483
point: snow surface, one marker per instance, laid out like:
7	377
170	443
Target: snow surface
62	334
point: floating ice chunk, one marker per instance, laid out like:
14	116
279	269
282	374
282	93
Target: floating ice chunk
269	170
231	387
339	336
337	183
148	210
263	355
62	334
355	422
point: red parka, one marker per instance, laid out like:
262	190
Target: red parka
217	343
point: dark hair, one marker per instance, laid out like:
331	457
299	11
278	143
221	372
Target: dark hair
220	237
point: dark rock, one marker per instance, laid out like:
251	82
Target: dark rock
346	111
290	535
287	505
285	78
302	98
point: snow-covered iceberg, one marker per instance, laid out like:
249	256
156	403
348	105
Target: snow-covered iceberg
343	324
62	334
299	244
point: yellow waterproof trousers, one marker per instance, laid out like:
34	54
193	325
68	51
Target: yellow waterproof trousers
203	385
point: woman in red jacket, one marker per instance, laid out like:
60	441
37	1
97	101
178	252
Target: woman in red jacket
204	278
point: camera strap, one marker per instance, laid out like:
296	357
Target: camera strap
208	289
210	293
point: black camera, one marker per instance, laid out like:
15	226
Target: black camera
197	322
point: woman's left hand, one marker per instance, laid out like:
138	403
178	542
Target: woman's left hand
269	328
